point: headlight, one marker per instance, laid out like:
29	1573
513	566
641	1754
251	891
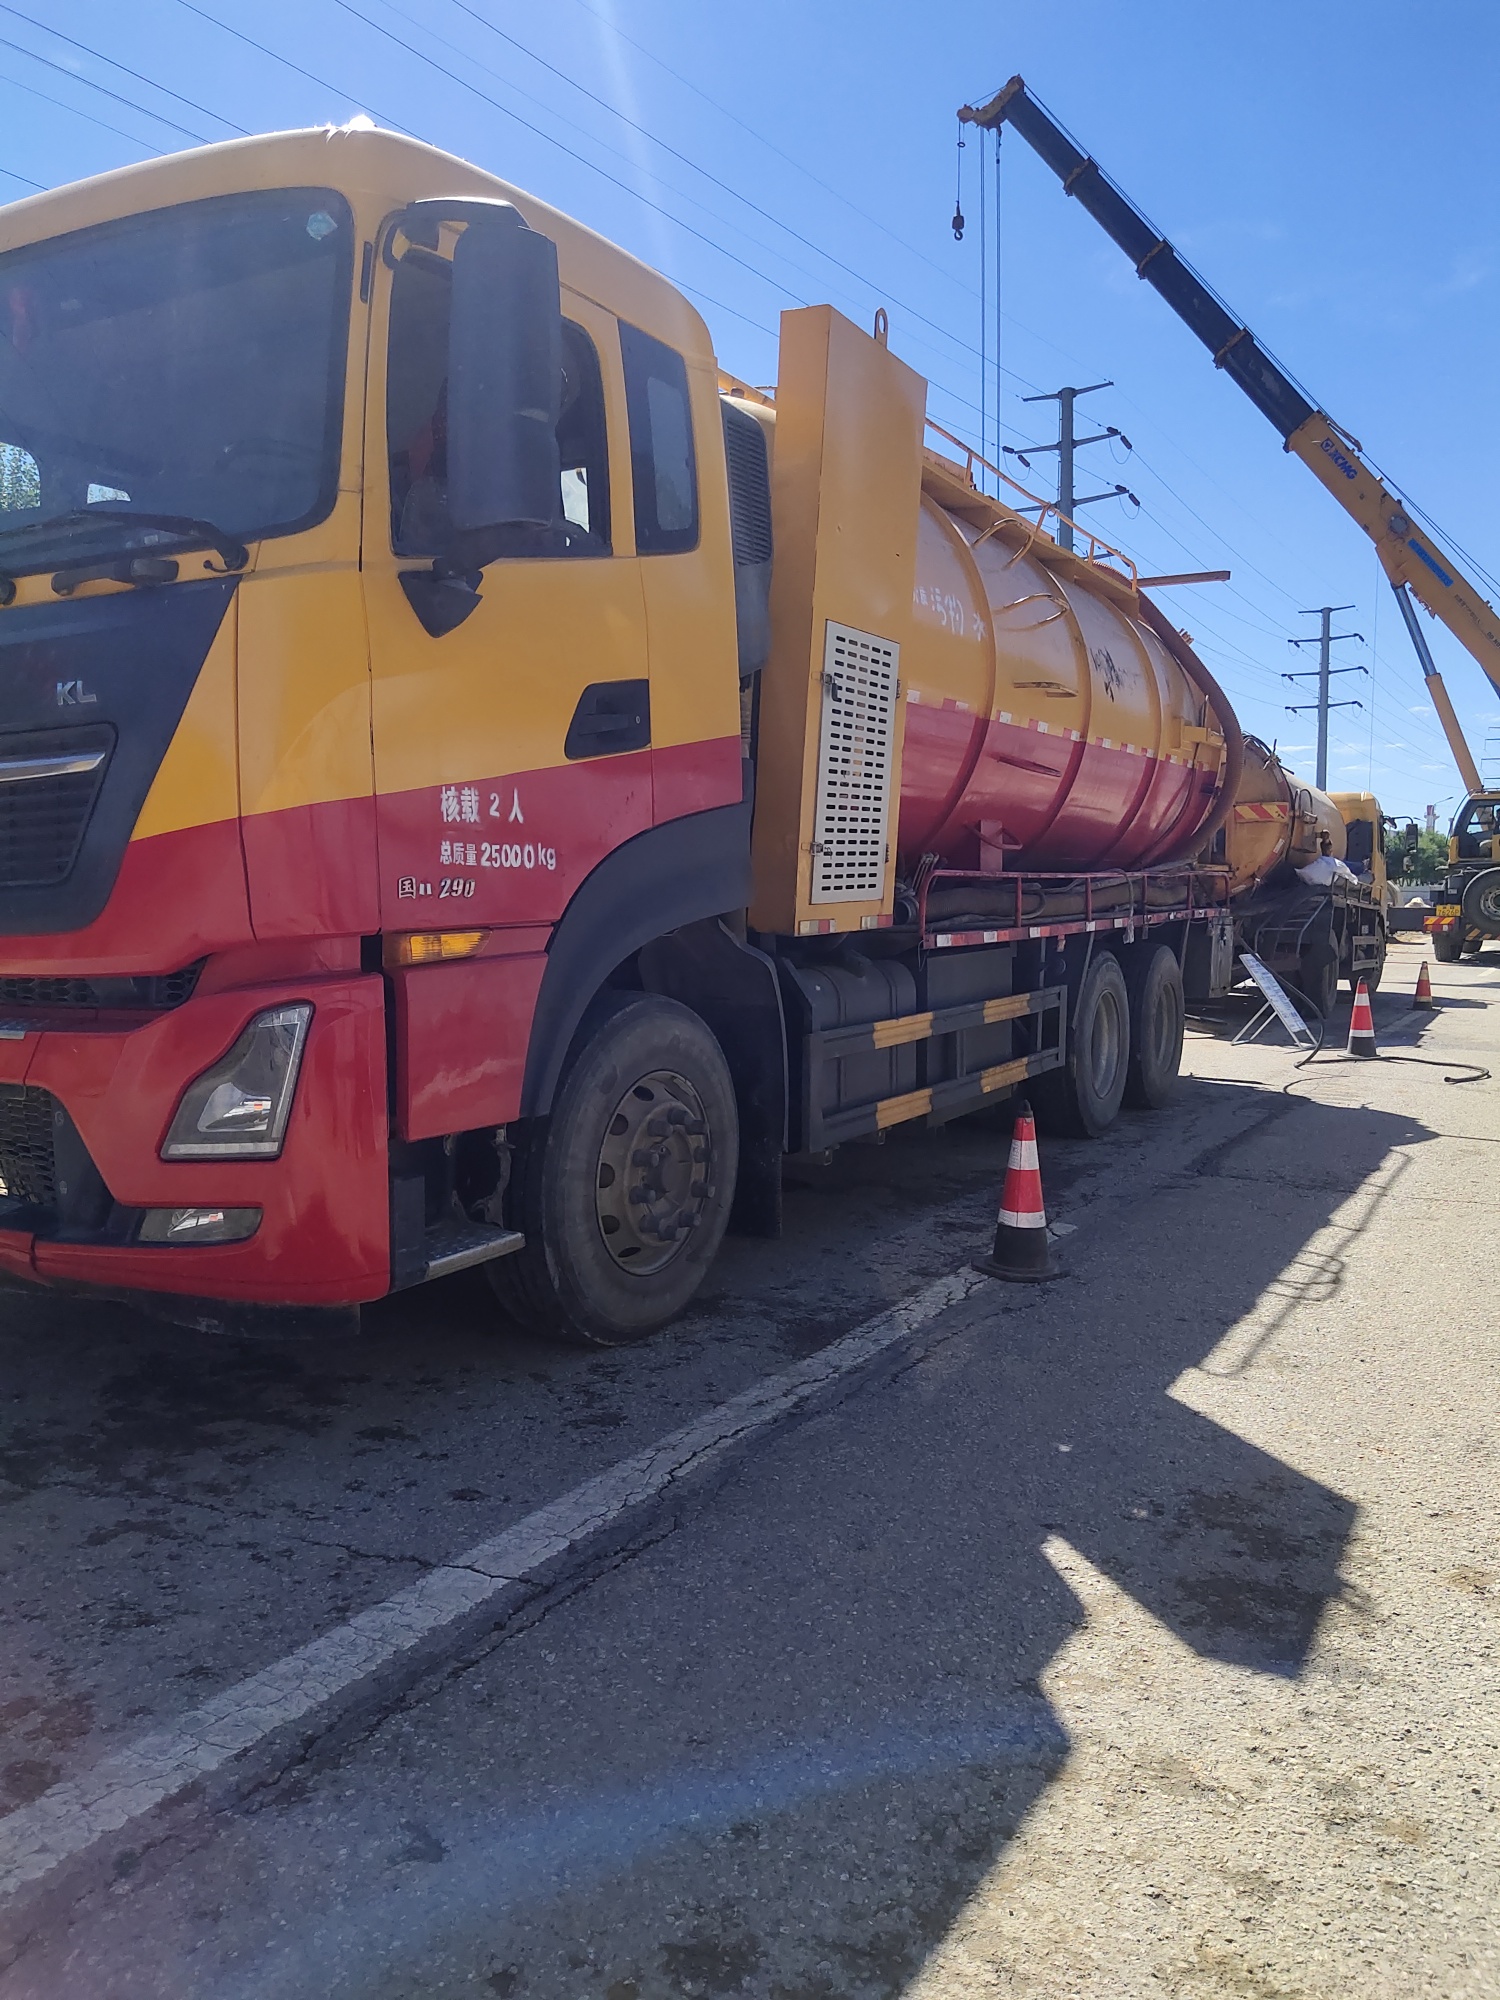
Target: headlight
239	1108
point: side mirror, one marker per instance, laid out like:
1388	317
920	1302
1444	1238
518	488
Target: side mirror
504	372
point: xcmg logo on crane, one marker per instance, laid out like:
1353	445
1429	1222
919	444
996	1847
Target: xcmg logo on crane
1328	445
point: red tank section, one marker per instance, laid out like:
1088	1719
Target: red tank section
1048	725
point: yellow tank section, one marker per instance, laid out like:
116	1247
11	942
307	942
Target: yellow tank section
1276	821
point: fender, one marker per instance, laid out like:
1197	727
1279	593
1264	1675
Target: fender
733	987
690	868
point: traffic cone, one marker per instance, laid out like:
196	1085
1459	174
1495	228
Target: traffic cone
1423	995
1362	1024
1023	1249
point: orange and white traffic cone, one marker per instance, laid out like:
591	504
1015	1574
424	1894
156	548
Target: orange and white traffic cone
1362	1024
1023	1249
1423	995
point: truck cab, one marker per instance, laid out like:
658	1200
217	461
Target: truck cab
366	590
1468	903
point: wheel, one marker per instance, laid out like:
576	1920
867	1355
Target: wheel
1481	904
624	1192
1153	987
1446	946
1082	1098
1318	977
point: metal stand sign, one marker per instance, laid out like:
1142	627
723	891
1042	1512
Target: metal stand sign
1277	1006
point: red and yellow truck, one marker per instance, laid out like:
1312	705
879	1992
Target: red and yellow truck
479	786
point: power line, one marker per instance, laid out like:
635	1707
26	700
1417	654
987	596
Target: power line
506	111
76	111
307	75
11	175
124	69
770	145
74	77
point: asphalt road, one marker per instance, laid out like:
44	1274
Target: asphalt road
1134	1635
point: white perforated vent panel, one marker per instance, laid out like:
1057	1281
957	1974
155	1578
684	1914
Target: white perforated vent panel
854	766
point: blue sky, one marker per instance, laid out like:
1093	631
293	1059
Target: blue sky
1330	167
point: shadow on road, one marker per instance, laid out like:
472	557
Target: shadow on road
776	1754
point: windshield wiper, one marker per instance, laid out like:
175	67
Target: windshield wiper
186	527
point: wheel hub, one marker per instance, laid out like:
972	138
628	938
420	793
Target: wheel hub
1105	1044
655	1172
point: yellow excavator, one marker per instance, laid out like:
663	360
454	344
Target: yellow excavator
1418	566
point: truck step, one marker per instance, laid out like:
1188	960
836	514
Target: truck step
454	1246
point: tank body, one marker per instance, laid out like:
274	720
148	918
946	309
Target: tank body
1046	727
1277	822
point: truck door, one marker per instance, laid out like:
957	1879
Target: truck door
512	751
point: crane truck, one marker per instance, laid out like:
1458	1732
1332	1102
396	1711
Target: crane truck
481	787
1416	563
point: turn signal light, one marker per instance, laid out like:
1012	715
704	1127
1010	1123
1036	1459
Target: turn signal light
427	947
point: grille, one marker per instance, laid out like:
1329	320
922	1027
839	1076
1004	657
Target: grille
854	766
749	487
156	991
42	819
26	1168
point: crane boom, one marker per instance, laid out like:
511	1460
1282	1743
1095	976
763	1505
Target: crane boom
1410	559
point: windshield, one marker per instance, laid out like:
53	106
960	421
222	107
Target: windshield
185	363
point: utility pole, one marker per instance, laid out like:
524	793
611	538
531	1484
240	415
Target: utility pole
1325	640
1067	444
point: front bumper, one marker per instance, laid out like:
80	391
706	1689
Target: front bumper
324	1235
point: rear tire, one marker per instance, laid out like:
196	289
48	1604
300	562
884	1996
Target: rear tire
1318	978
1446	946
1153	984
624	1191
1082	1098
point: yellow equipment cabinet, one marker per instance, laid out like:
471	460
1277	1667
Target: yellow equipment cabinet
845	487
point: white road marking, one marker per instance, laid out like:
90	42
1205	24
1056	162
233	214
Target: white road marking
66	1821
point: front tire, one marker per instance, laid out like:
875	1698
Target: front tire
1153	985
624	1191
1083	1097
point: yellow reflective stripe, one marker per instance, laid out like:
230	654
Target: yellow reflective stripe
895	1110
904	1028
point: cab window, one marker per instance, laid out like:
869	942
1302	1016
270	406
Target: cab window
1475	829
663	463
417	427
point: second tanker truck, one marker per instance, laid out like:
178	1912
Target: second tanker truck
472	791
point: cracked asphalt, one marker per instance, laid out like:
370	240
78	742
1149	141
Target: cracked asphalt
1134	1635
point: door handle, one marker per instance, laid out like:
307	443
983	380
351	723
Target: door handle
611	717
